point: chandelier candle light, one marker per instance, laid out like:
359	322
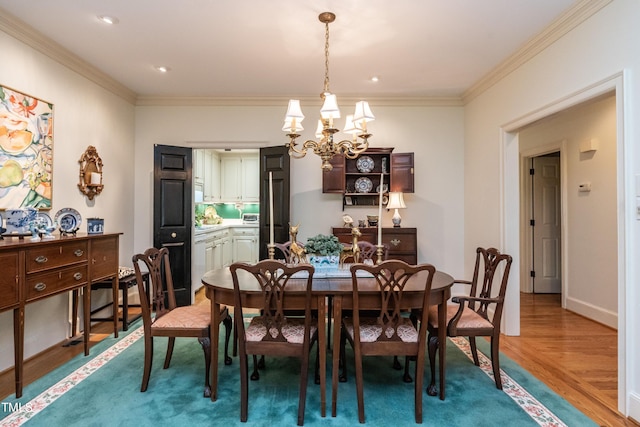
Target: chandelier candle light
356	125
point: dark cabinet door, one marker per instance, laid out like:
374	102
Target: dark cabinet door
402	178
173	215
333	180
277	161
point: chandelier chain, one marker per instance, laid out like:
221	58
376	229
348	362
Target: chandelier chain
326	59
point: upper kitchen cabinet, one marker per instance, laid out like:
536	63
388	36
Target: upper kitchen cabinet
198	166
211	176
358	180
240	178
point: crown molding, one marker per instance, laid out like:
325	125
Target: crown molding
176	101
27	35
570	19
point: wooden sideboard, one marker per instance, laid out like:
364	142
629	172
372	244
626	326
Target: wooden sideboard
402	242
32	271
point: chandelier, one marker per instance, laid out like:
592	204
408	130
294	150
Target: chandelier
355	124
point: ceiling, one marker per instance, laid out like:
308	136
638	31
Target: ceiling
275	48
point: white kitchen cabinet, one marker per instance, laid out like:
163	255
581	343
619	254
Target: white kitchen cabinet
198	166
208	176
214	182
198	263
251	178
245	244
230	178
227	251
240	178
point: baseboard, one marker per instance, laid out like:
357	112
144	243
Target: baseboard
590	311
634	407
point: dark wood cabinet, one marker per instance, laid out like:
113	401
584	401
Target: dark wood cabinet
402	242
359	181
32	271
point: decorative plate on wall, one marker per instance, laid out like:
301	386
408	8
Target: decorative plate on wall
364	185
365	164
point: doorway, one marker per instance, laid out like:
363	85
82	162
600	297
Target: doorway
545	223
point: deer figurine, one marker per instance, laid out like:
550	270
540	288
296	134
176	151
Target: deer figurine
297	254
354	250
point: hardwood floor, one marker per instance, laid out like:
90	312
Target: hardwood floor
574	356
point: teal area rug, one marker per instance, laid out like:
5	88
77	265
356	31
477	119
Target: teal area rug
103	389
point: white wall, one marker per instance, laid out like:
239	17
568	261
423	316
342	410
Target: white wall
591	234
84	114
434	134
602	47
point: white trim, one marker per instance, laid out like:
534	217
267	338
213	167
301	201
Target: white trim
512	232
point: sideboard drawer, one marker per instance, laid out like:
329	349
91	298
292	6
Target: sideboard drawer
9	296
40	285
58	255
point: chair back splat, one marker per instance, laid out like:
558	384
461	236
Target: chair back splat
274	332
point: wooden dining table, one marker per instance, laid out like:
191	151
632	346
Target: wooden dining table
327	283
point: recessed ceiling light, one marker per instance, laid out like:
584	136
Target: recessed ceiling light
374	79
111	20
162	69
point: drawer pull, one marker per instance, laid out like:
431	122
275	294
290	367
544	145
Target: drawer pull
40	286
41	259
78	252
77	276
395	242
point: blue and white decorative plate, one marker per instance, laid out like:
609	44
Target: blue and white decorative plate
365	164
44	219
363	185
68	220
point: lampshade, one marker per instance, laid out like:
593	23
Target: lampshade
319	129
396	201
294	111
330	108
363	113
350	126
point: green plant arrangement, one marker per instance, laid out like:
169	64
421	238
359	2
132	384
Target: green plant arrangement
323	245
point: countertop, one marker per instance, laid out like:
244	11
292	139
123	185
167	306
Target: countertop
227	223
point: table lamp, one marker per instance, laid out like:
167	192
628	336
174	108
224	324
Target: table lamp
396	201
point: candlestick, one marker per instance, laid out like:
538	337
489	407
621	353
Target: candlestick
271	208
380	211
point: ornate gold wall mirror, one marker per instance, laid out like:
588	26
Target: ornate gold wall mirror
90	173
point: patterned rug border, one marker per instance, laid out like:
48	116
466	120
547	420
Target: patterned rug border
533	407
47	397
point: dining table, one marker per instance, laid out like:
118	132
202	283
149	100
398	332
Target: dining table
328	282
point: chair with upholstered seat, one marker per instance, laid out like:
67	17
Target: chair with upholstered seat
172	321
471	316
274	332
386	331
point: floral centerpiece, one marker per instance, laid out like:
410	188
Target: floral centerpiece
324	250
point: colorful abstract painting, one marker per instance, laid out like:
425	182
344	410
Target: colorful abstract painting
26	151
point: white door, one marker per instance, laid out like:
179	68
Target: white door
546	229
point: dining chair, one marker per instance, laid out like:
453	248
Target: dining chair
171	321
273	332
477	314
388	332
